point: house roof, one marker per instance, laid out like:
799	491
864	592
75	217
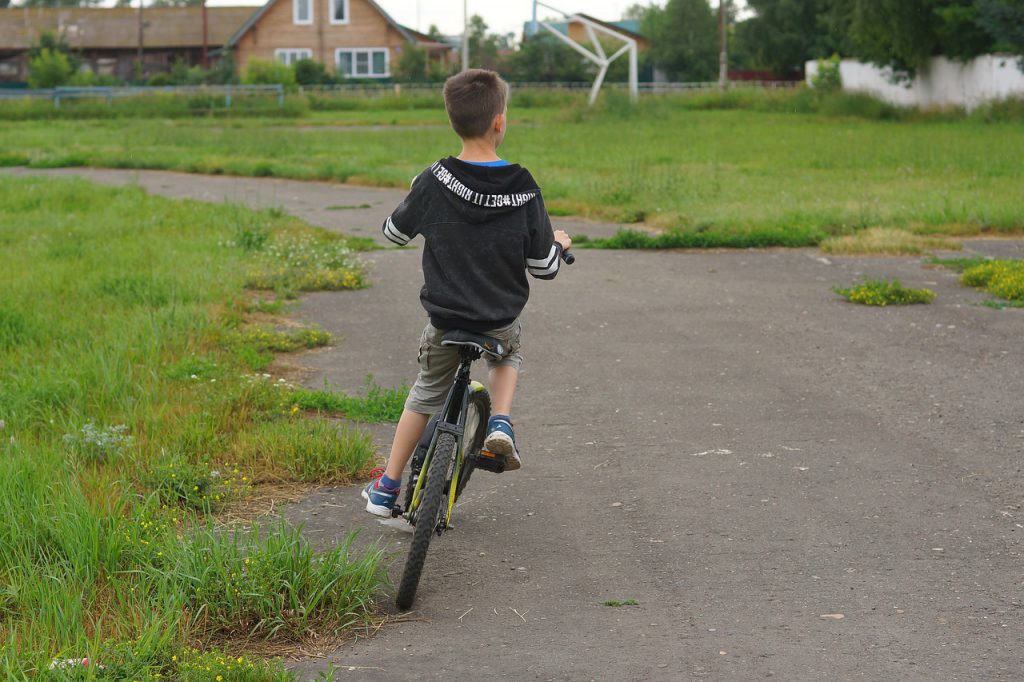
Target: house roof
258	14
118	27
425	41
630	27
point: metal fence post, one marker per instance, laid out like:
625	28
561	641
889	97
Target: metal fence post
280	96
56	98
227	96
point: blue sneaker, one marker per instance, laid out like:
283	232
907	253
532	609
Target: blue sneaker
501	440
379	501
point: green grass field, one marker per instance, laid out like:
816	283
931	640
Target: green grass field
134	410
752	174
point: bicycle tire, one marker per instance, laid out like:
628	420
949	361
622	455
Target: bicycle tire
480	401
427	517
428	435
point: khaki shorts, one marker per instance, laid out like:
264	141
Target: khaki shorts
438	364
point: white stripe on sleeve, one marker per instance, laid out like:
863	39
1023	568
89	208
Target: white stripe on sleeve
392	232
545	262
538	272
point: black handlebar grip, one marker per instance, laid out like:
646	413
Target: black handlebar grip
568	258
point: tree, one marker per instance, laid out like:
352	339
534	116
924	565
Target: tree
636	12
684	39
49	69
414	66
543	58
49	40
906	34
434	33
784	34
483	47
1003	20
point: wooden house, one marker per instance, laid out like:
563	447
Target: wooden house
107	39
353	38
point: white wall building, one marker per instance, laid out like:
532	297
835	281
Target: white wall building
944	83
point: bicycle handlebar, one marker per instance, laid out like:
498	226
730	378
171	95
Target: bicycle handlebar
568	258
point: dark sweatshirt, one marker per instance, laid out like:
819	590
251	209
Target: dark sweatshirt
485	227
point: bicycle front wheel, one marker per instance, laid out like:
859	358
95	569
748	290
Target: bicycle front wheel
477	414
429	514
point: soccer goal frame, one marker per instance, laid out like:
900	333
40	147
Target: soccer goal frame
598	55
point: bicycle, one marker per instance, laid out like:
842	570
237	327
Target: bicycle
447	456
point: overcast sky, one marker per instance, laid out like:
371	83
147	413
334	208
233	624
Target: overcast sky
504	16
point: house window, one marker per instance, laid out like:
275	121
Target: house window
302	11
290	55
339	11
370	62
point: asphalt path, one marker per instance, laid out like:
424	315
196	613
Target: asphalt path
786	484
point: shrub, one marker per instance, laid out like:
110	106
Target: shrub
828	77
882	293
311	72
88	79
160	80
50	69
262	72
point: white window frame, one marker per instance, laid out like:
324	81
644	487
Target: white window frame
333	3
295	13
369	56
292	54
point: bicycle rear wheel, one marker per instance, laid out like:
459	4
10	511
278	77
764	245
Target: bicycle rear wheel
428	515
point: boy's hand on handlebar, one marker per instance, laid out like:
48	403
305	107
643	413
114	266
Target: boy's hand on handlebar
563	238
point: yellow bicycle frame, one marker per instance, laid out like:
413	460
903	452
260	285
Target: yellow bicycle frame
474	387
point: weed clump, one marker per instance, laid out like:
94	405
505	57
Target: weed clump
883	293
98	445
621	602
270	585
306	263
310	450
379	405
1002	278
706	237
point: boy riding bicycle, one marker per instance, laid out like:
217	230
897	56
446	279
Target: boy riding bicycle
485	226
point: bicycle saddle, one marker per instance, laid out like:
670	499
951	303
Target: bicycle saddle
485	344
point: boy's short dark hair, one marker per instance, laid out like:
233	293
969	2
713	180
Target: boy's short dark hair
473	98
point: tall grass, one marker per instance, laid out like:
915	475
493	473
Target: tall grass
737	168
123	419
153	106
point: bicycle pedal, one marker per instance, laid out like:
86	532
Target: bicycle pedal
396	511
489	461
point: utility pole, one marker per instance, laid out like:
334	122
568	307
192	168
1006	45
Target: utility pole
206	40
141	66
465	35
723	55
